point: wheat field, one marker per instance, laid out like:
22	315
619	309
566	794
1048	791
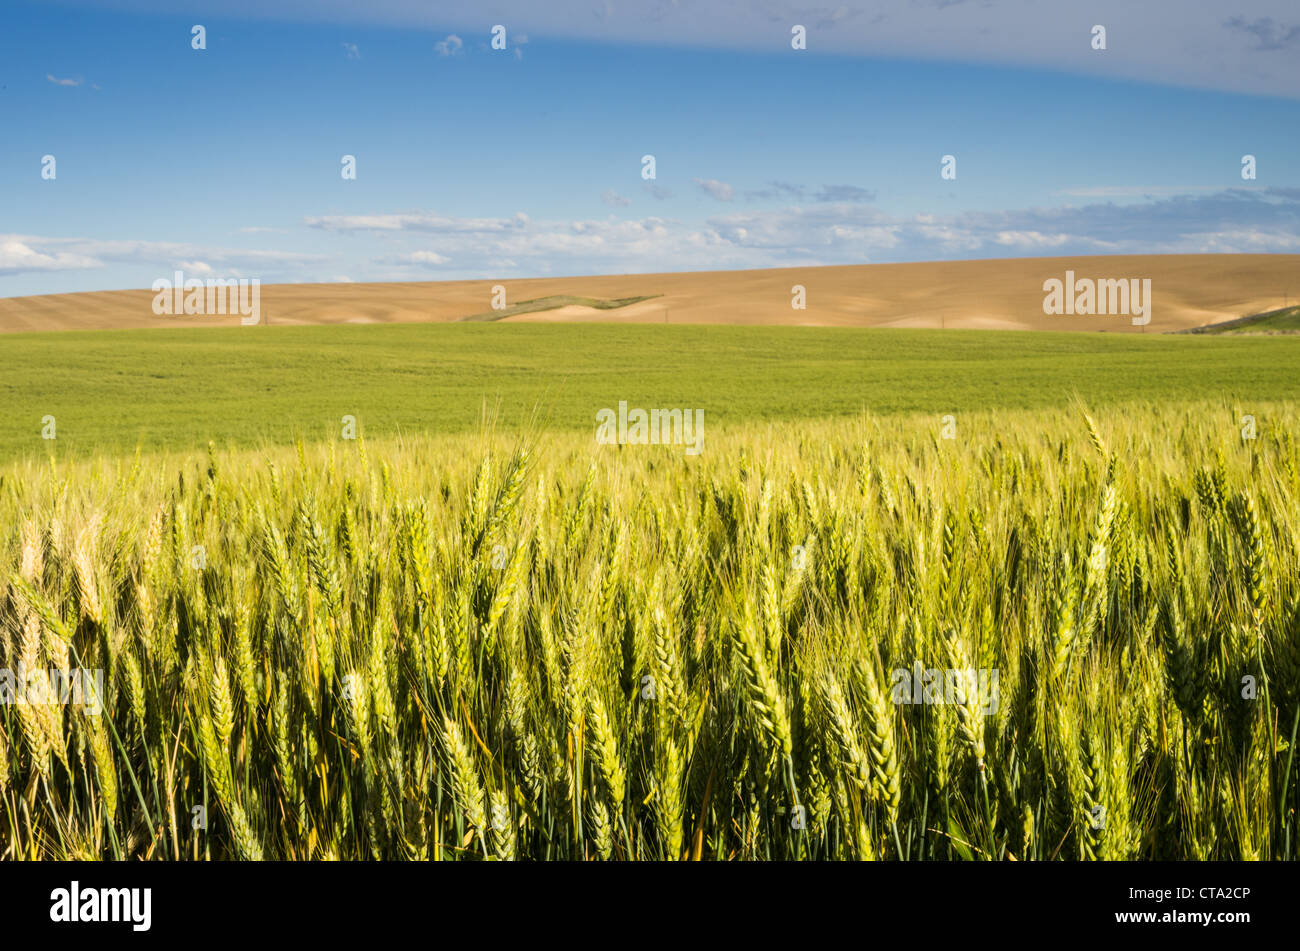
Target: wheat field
490	647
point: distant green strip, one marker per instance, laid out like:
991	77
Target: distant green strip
1285	320
556	301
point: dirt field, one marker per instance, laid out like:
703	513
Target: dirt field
1187	291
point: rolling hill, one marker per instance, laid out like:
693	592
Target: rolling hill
1188	291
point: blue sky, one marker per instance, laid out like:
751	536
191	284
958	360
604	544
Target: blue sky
482	163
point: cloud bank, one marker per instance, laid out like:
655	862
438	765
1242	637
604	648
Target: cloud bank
428	245
1248	46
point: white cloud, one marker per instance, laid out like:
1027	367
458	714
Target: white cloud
415	221
1139	191
1031	241
1245	241
719	190
1232	220
450	46
21	253
350	49
64	82
423	257
1267	34
836	233
833	193
18	257
614	199
826	193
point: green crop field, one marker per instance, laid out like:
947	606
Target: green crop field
1063	625
1043	639
157	390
